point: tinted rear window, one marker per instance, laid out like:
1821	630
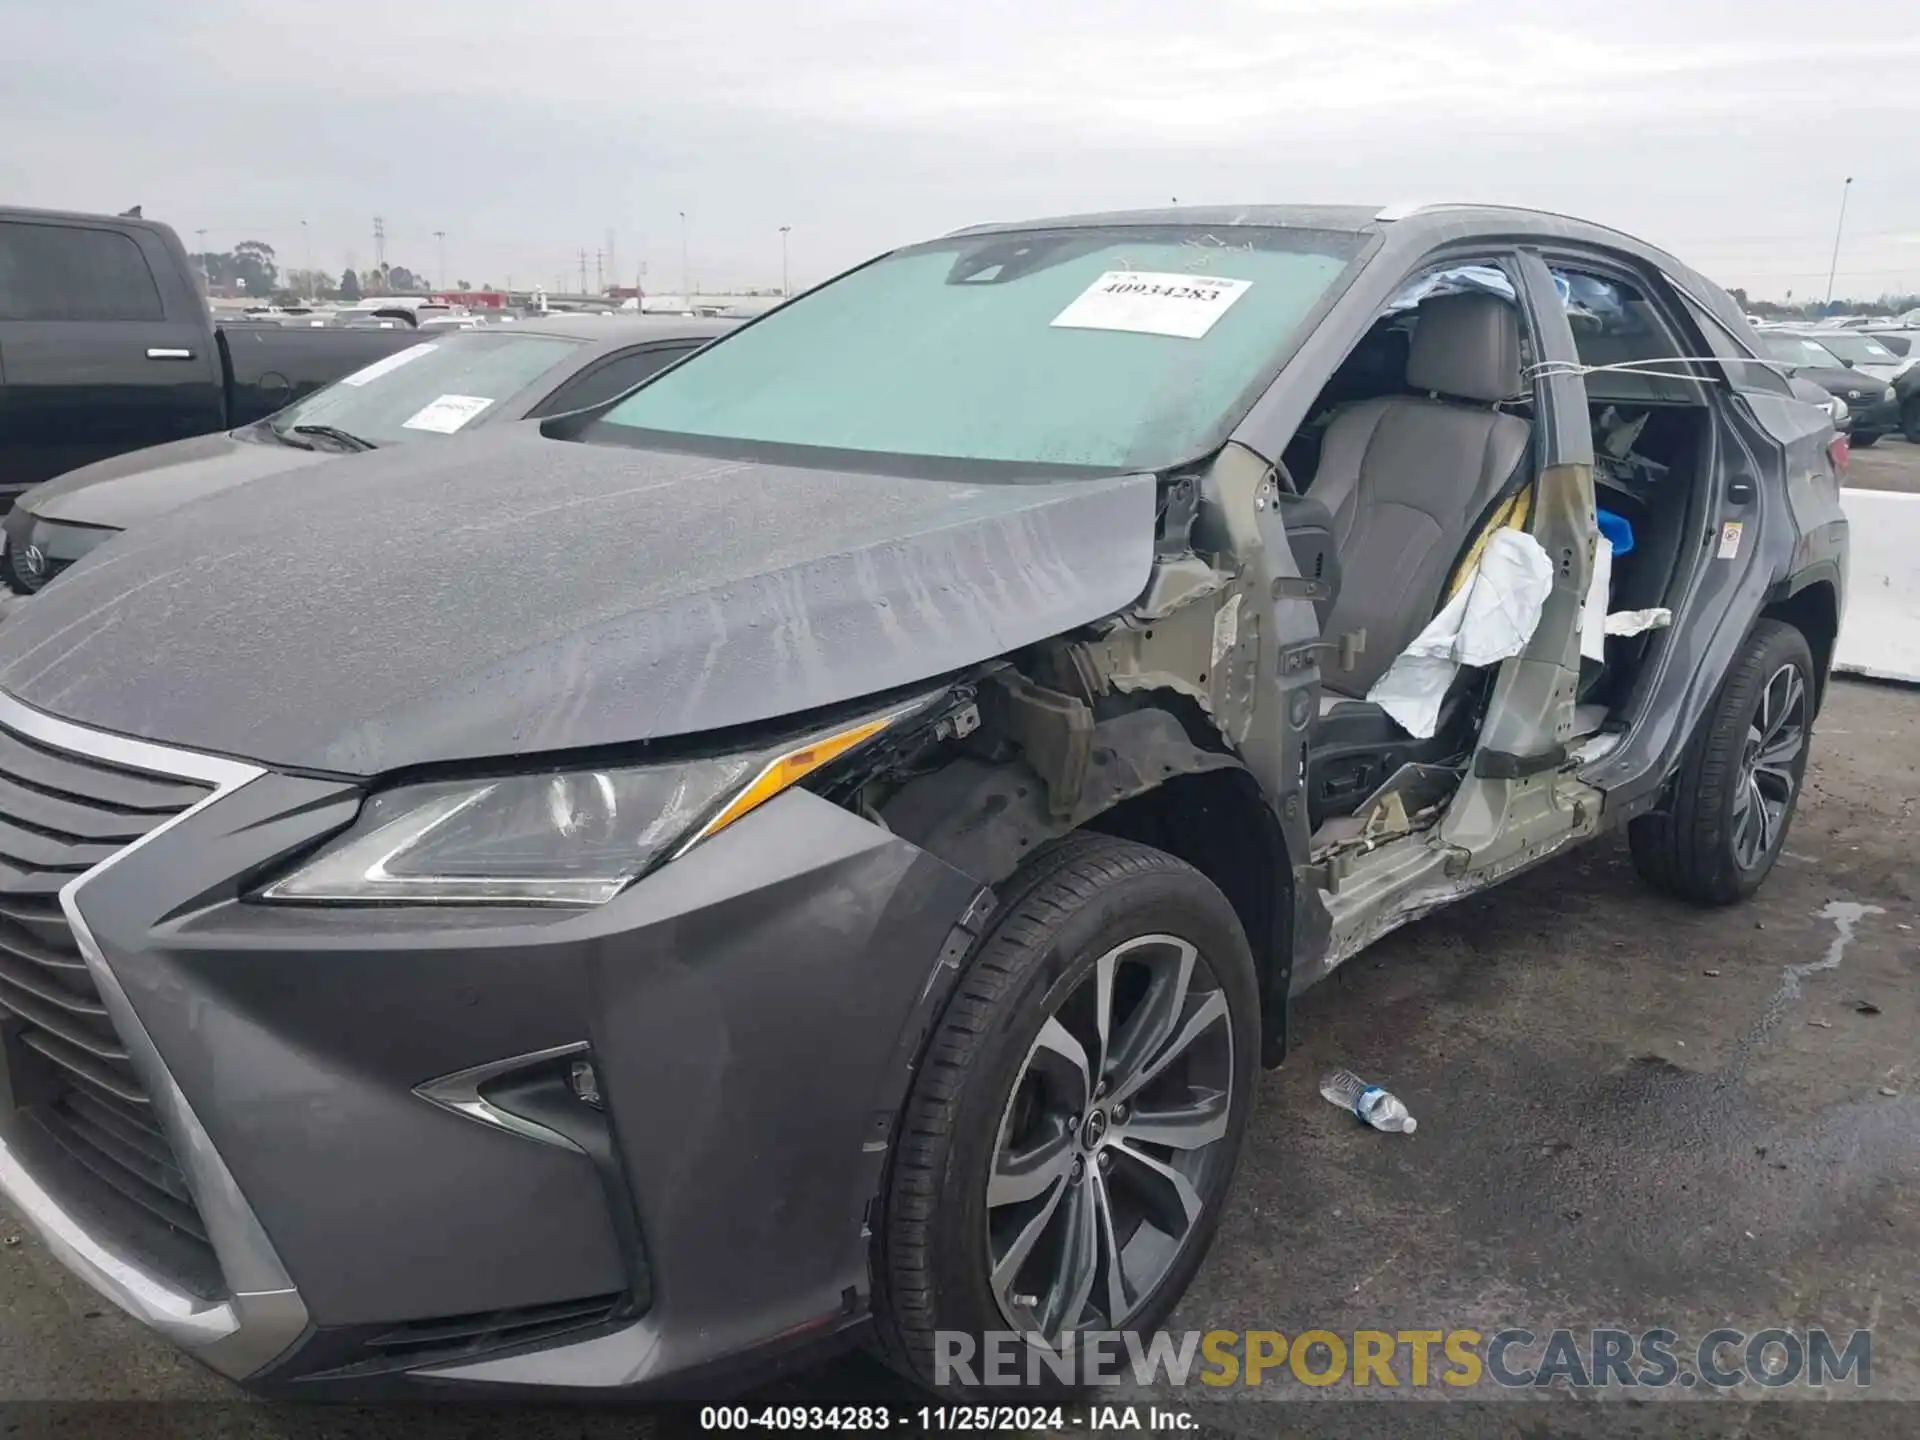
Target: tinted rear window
70	272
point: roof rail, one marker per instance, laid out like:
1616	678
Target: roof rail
1401	209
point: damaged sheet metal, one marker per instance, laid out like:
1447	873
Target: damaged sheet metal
985	818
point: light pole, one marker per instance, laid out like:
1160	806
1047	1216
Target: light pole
206	276
686	274
786	289
1838	229
441	236
306	244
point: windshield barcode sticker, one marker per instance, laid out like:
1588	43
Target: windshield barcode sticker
448	413
1149	303
391	363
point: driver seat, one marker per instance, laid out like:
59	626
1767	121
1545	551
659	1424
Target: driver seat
1408	478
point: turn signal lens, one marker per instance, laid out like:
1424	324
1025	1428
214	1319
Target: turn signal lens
789	769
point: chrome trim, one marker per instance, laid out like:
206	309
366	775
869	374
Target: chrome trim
460	1093
606	1362
165	352
264	1313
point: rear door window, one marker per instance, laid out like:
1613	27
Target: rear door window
1738	364
71	272
1616	329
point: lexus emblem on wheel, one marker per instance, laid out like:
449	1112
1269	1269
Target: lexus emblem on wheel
33	563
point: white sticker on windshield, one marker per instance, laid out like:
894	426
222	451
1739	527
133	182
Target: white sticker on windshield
448	413
391	363
1149	303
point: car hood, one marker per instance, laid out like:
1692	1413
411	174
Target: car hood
144	483
503	594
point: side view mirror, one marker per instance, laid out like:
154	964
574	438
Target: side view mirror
1846	362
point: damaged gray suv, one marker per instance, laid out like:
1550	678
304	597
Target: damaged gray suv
818	849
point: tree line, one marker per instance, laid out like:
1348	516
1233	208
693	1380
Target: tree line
1820	309
251	268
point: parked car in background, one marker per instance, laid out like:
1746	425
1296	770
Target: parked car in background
106	346
443	383
1906	385
1872	406
820	848
1859	350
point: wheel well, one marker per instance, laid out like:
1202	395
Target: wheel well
1218	823
1815	613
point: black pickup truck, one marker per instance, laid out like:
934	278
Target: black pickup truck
107	346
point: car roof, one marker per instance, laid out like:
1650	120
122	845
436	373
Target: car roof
1360	219
615	330
1411	224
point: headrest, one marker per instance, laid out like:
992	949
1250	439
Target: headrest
1466	346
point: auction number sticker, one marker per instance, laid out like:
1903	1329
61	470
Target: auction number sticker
1150	303
448	413
389	365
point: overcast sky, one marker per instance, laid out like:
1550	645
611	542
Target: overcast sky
527	131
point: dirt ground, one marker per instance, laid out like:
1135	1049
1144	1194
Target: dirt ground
1893	464
1631	1113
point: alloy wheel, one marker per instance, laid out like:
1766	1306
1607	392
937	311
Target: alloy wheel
1112	1136
1770	768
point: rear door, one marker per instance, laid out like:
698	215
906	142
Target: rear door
97	361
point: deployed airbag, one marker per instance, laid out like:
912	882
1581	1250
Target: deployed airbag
1490	618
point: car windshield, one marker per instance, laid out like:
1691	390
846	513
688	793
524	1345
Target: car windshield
1113	348
1792	350
433	388
1861	349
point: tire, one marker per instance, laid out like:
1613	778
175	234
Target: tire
1864	442
1739	771
1910	420
996	1076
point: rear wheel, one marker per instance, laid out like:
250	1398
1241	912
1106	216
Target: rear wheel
1734	796
1070	1138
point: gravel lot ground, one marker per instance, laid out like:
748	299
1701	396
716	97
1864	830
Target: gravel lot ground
1893	464
1631	1112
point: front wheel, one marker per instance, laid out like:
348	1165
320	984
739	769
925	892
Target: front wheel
1864	442
1739	781
1069	1141
1910	420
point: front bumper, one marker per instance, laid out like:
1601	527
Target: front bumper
1873	417
752	1013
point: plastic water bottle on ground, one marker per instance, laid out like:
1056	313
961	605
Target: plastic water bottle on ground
1372	1104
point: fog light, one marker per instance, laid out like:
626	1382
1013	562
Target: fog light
586	1084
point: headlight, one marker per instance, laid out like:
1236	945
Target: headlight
570	837
1887	396
1837	408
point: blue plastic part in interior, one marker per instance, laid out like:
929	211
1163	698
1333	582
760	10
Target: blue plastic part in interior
1618	530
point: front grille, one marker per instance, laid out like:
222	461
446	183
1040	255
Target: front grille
23	579
416	1344
459	1337
61	814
